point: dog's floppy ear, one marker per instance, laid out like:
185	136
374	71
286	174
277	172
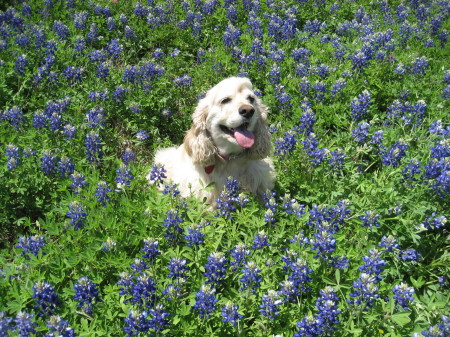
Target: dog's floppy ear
198	142
261	148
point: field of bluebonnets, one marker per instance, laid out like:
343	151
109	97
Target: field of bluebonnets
354	239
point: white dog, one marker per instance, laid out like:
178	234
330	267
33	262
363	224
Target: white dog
228	137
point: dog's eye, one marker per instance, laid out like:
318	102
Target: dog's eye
251	99
225	100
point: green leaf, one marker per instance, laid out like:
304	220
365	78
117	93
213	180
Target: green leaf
401	318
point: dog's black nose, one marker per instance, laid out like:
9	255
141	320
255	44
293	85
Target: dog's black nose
246	111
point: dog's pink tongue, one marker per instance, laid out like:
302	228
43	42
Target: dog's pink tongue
244	138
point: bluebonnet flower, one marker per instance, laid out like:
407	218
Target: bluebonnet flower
109	245
439	330
365	290
48	162
232	13
61	30
93	147
46	299
255	25
394	155
205	301
434	222
274	74
323	71
270	201
239	254
251	278
86	293
172	292
177	267
80	20
128	156
103	72
389	243
403	295
359	60
308	327
129	33
39	120
373	264
195	236
370	219
69	131
183	81
31	244
289	291
142	135
338	86
119	94
13	156
21	64
360	132
230	313
22	41
282	97
73	74
305	84
411	115
15	117
143	291
446	92
59	327
65	166
409	255
298	271
150	249
172	223
337	159
260	240
111	24
307	120
136	323
314	26
231	35
377	137
419	65
215	269
270	306
78	182
138	266
5	325
360	105
286	145
79	46
412	170
230	198
96	117
327	308
320	88
77	214
24	325
102	192
92	34
159	320
171	189
311	145
114	48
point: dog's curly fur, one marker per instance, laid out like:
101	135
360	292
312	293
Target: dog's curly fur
229	137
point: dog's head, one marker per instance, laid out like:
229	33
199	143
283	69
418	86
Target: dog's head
229	120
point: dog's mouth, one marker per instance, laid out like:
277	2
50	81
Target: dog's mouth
243	136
